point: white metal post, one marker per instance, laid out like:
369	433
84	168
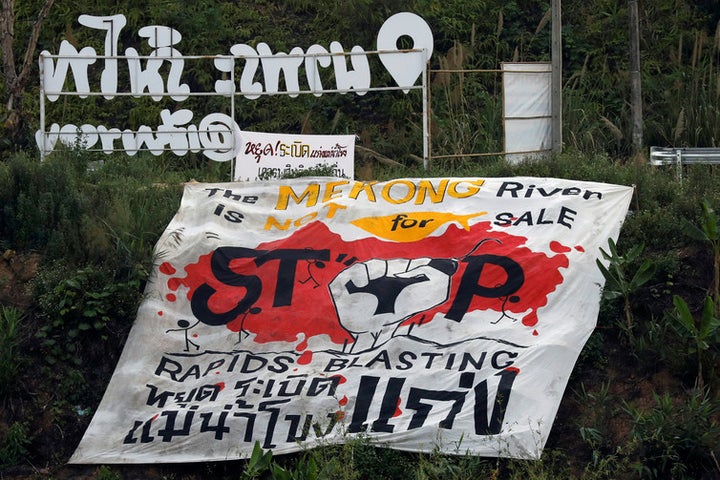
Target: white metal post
42	107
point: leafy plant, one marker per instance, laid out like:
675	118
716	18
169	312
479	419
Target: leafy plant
261	465
436	466
305	468
44	205
258	464
699	332
676	438
709	231
106	473
80	310
10	319
13	447
617	281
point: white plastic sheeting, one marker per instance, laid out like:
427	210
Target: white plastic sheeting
441	314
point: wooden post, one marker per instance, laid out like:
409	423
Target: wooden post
635	79
556	82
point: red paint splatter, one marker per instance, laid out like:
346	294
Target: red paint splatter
167	269
171	297
312	311
220	385
339	415
558	247
155	417
160	313
513	369
195	335
302	346
341	379
343	401
398	412
531	319
305	358
579	248
535	333
174	283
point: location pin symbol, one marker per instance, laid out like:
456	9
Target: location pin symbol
404	67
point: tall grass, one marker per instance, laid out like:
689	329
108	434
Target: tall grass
10	360
684	95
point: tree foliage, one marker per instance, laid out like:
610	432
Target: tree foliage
679	48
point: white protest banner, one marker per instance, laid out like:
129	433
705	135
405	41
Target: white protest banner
441	314
271	155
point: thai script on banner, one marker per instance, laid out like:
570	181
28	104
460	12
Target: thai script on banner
438	314
263	156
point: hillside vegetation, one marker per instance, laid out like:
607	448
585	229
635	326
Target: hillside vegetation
77	229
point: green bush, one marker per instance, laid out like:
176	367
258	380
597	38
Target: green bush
677	436
82	310
14	444
44	205
10	358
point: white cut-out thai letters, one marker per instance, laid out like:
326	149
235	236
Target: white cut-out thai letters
251	71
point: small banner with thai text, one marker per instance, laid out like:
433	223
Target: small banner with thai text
263	156
439	314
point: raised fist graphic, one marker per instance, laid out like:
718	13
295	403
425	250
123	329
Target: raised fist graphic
372	298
